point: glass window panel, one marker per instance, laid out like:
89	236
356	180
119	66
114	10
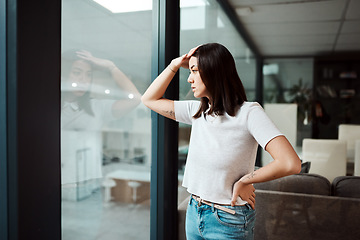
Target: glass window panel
204	21
105	130
289	81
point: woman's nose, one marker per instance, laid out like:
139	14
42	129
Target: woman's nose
190	80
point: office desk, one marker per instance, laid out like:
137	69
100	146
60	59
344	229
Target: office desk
123	192
126	178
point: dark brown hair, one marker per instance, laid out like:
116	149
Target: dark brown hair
67	60
218	72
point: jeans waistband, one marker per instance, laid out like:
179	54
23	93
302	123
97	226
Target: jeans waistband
217	206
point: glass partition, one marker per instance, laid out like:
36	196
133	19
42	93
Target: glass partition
204	21
287	92
105	130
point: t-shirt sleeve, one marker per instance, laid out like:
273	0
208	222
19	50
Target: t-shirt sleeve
260	125
185	110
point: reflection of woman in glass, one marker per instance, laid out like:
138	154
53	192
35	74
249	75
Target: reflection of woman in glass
83	116
77	70
226	131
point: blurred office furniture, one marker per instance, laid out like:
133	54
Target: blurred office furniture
346	186
327	157
108	183
284	116
310	210
335	94
80	163
357	158
126	147
349	133
132	185
305	167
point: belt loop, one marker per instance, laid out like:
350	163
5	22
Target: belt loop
199	202
212	207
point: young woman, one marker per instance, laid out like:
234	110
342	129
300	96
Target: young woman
226	131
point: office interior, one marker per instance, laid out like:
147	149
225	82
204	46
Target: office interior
299	59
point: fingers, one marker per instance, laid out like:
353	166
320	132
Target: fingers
246	192
233	200
191	52
252	204
83	53
183	60
252	200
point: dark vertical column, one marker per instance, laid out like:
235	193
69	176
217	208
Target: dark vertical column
164	221
11	118
3	126
259	80
259	88
33	119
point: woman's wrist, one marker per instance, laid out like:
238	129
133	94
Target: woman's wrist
172	68
247	179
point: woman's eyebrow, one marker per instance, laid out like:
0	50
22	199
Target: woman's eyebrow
193	66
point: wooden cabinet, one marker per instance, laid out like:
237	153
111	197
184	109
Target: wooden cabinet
336	94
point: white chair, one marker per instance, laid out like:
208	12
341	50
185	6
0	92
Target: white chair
108	183
327	157
349	133
134	186
357	158
284	116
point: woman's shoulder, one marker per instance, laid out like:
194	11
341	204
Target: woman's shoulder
191	106
188	101
248	106
191	103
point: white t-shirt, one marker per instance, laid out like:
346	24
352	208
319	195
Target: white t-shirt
222	149
81	140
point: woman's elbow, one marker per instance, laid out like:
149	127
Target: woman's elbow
294	166
144	100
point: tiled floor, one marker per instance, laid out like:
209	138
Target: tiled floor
92	219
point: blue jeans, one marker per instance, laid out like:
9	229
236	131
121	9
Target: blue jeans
207	222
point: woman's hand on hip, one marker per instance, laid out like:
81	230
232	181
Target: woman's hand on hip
245	191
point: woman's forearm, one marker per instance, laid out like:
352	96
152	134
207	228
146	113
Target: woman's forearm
286	162
271	171
158	87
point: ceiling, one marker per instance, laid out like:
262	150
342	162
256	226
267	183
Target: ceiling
300	28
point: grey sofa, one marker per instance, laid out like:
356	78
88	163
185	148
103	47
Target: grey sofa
303	206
